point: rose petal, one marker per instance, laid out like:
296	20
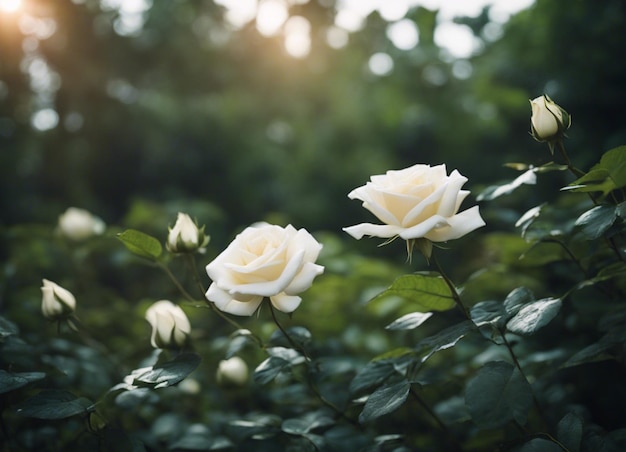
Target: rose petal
270	288
373	202
226	303
312	247
374	230
304	279
285	303
449	199
459	225
424	208
424	228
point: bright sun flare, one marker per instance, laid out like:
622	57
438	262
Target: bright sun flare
10	6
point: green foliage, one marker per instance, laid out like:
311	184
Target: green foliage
54	405
422	291
497	395
141	244
607	175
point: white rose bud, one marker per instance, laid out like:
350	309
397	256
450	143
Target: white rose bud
185	236
232	372
264	261
416	203
548	121
170	325
79	224
56	302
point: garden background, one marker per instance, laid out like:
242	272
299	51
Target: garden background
138	114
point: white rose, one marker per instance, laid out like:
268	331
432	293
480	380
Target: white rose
185	236
233	371
170	325
548	120
56	302
79	224
416	202
264	261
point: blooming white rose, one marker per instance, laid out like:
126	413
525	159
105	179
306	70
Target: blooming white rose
416	202
79	224
170	325
56	302
264	261
548	120
233	371
185	236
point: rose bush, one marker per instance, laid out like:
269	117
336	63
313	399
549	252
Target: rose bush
79	224
170	325
264	261
416	202
56	302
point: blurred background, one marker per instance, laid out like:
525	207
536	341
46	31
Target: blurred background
242	110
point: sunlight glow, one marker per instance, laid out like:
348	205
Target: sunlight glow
298	37
403	34
10	6
380	64
239	12
456	40
271	15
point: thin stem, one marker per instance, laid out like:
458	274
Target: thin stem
313	388
519	367
177	283
430	412
190	260
575	171
287	336
455	293
569	252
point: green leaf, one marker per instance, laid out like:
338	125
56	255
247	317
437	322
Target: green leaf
485	312
374	373
607	175
384	400
517	298
601	350
280	358
570	432
10	381
534	316
498	394
269	369
540	445
445	339
596	221
7	328
259	427
424	292
300	335
409	321
621	210
307	423
169	373
495	191
141	244
55	405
